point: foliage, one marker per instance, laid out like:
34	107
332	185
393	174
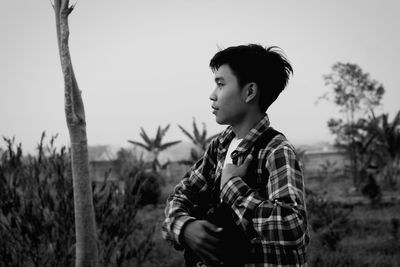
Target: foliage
151	144
37	227
356	94
154	145
377	142
389	134
130	168
36	216
386	146
354	91
390	174
369	240
365	237
382	134
328	221
200	140
395	228
122	239
328	169
372	190
36	212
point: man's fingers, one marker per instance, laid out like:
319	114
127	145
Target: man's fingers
211	245
208	256
248	160
209	249
212	227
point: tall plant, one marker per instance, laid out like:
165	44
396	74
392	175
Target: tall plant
85	226
385	135
199	139
154	145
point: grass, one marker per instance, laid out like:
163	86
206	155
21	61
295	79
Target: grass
371	234
368	236
162	254
368	239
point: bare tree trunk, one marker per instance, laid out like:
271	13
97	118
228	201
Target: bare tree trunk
85	226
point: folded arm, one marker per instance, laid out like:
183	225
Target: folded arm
281	218
182	203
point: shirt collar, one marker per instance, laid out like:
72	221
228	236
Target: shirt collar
226	137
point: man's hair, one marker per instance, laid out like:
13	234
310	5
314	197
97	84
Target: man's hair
267	67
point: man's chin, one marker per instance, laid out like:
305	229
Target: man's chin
221	121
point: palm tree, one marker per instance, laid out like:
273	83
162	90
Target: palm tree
390	134
384	135
199	139
387	144
154	145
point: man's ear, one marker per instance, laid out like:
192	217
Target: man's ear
251	91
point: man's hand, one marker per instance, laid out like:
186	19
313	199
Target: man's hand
231	170
202	237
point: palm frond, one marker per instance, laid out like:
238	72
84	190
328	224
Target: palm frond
196	133
158	138
145	137
204	133
160	135
187	134
164	131
148	148
395	124
166	145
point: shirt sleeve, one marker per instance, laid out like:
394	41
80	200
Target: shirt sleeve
280	219
181	203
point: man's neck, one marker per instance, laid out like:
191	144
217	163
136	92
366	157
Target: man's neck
241	129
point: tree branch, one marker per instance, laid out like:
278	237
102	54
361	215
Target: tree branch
74	108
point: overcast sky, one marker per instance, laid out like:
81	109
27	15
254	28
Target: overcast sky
145	63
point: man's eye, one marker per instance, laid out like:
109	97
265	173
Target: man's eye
220	84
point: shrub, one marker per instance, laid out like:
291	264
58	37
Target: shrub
328	221
36	212
128	168
151	190
36	215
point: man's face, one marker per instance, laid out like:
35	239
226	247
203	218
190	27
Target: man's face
228	99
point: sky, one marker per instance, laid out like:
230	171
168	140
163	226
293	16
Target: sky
145	63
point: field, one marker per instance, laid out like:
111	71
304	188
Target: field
359	234
36	217
367	236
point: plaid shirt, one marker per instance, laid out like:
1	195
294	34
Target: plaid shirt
276	224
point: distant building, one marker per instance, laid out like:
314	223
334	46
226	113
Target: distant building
100	169
102	162
103	159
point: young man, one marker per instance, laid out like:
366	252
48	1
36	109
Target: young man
242	203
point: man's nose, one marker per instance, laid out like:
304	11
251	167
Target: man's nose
213	96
